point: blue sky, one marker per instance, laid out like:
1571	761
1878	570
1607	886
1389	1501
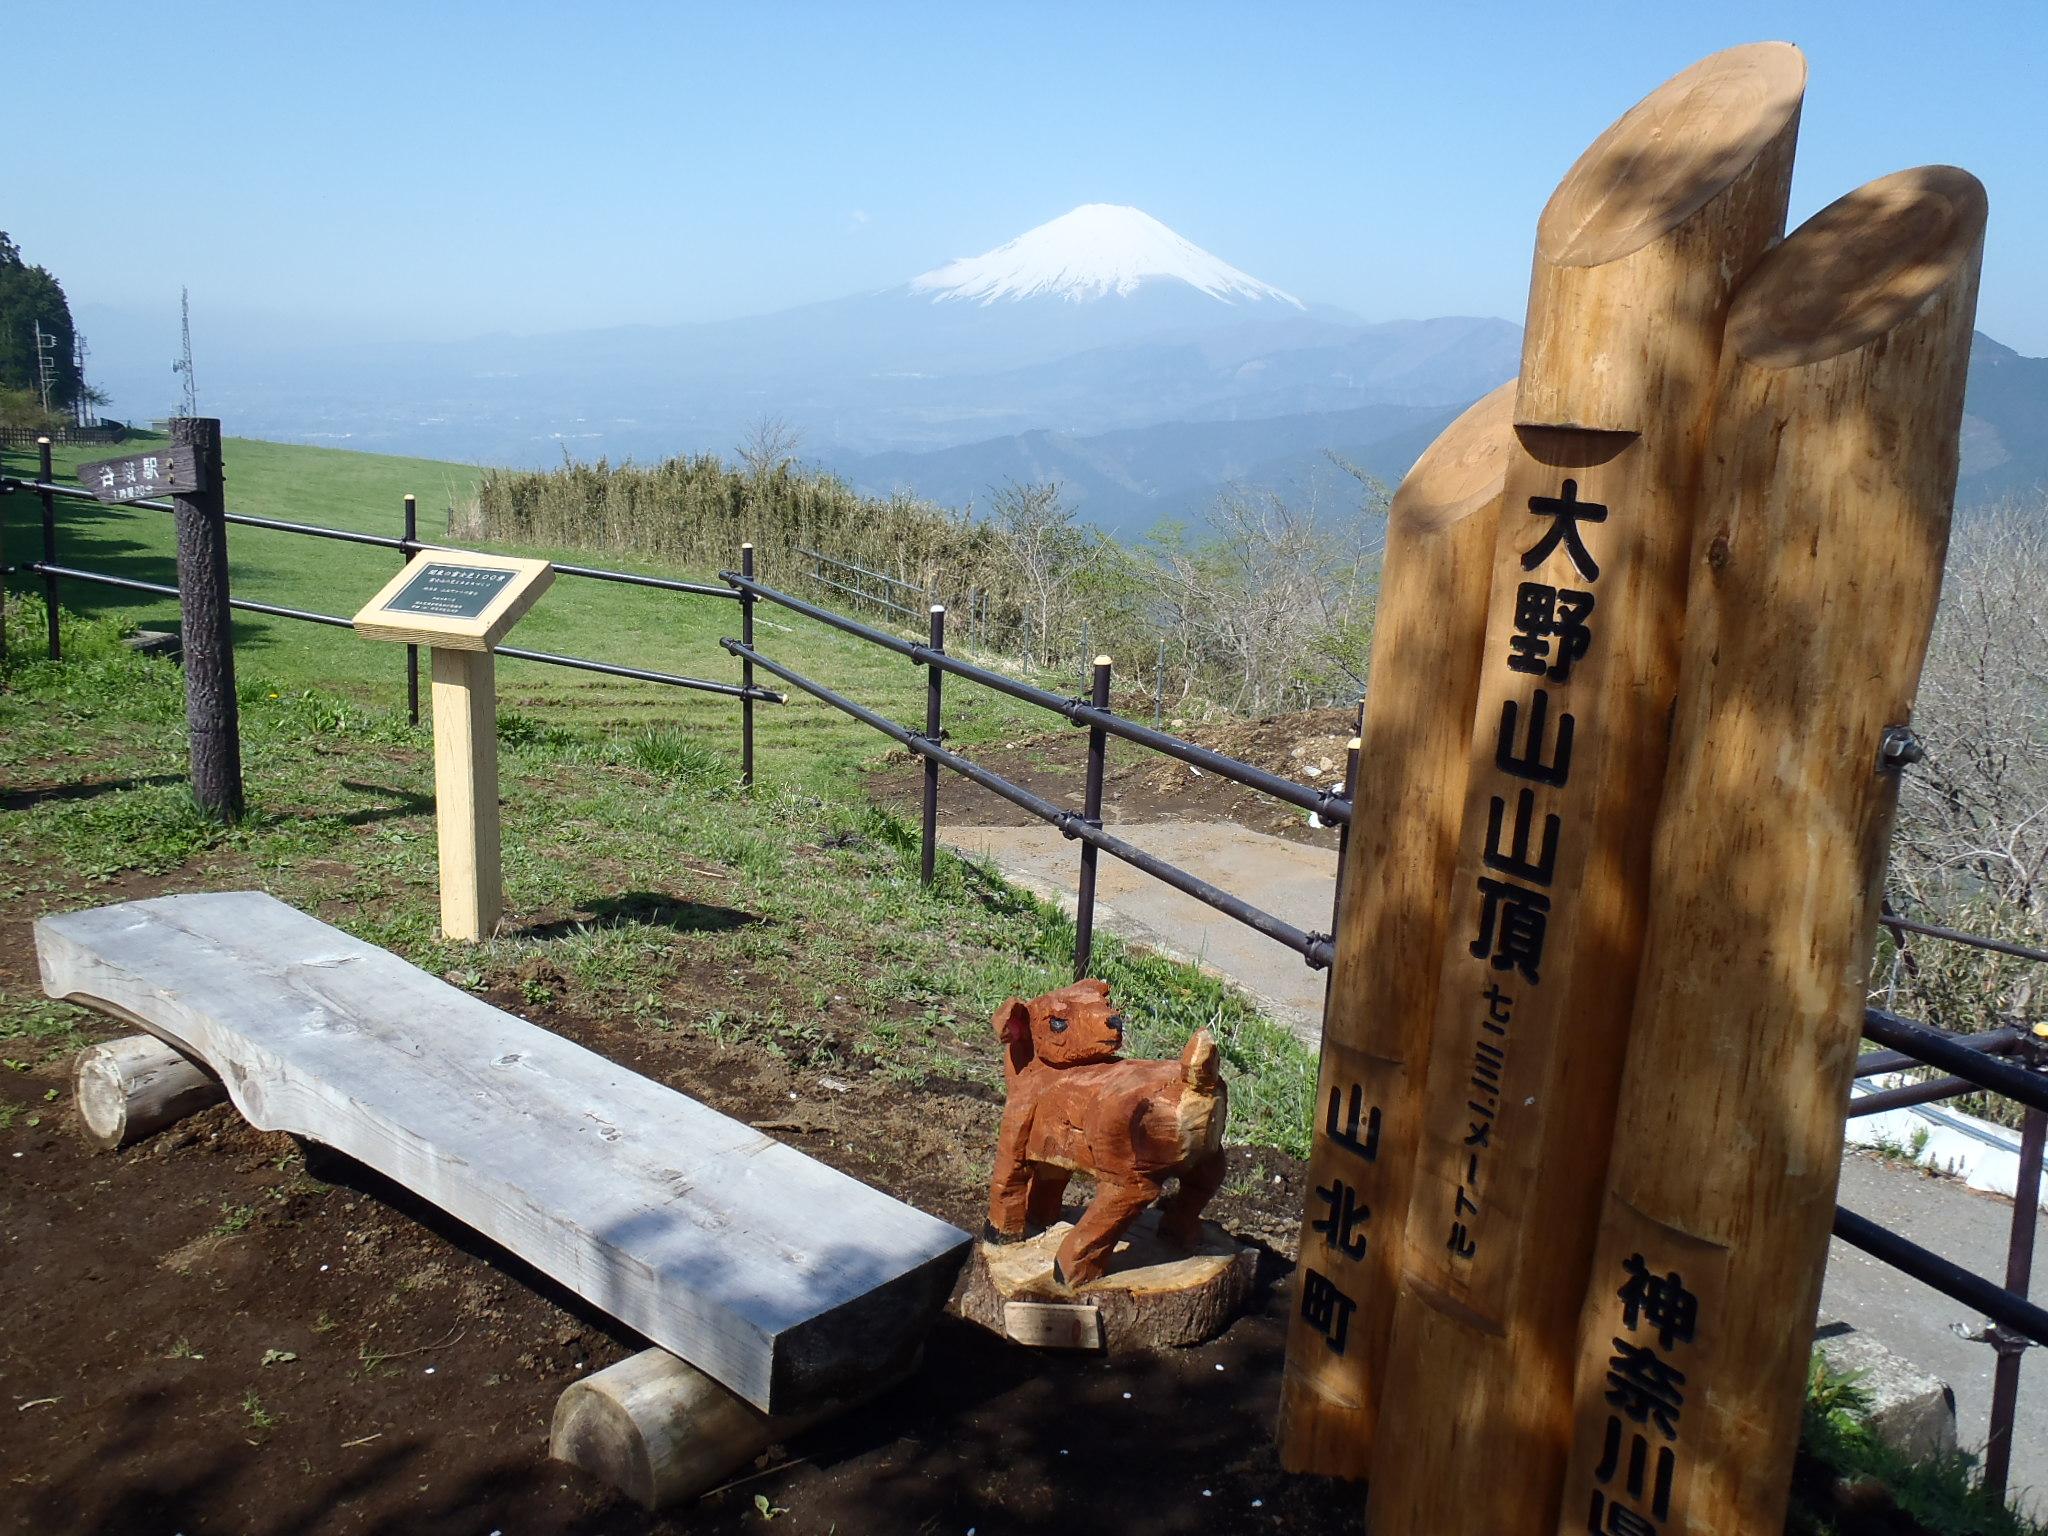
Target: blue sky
442	170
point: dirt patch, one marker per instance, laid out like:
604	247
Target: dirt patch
222	1330
1142	786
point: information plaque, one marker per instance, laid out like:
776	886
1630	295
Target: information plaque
455	600
461	604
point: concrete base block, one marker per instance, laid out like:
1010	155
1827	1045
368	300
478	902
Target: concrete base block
1911	1411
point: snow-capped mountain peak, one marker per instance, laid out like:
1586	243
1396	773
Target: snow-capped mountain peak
1097	250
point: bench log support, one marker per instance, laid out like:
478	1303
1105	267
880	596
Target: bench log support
661	1431
133	1087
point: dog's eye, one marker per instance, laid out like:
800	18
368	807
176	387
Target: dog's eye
1059	1026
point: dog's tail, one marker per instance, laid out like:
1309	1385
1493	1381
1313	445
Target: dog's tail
1200	1063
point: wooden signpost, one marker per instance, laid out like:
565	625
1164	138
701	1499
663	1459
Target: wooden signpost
461	604
165	471
189	472
1637	258
1716	549
1814	580
1376	1025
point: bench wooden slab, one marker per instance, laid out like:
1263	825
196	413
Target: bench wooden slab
784	1279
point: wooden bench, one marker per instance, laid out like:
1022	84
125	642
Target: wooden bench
788	1282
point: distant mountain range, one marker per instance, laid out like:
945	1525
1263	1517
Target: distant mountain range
1100	349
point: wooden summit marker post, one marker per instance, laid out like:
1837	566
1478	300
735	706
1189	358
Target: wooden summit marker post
1638	254
461	604
1403	844
1814	580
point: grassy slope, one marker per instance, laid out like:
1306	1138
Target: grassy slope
640	882
363	493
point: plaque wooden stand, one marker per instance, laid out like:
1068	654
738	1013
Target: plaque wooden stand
1601	1222
1154	1295
461	604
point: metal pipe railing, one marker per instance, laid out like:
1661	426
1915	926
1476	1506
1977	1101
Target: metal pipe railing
1906	1097
1315	948
1330	808
854	565
336	621
866	597
1958	936
1945	1275
1993	1042
381	541
1938	1048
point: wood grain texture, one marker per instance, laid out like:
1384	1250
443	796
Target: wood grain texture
531	578
1814	583
1403	846
781	1278
465	696
1154	1295
1568	744
1644	212
661	1431
133	1087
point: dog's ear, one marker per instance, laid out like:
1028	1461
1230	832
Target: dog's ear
1013	1023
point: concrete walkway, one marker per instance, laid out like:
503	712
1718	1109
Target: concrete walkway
1296	882
1919	1323
1289	880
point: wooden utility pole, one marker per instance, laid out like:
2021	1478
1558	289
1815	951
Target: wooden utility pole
1825	512
1638	255
1399	855
206	632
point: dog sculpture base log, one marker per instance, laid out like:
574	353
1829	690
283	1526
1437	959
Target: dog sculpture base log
1074	1106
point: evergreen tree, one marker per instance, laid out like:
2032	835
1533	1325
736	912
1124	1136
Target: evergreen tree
30	296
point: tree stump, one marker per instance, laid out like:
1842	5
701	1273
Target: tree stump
1153	1296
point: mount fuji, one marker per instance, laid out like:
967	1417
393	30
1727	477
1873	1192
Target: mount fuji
1101	348
1097	251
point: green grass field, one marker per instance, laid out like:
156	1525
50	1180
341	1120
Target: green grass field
364	493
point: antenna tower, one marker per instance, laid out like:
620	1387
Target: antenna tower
46	363
188	402
79	353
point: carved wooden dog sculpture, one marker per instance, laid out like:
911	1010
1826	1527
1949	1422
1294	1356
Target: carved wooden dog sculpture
1074	1107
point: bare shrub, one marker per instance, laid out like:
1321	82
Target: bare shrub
1274	607
1970	849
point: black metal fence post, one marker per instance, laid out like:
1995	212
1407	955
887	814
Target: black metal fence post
205	623
43	473
1091	812
412	652
747	671
928	850
2019	1275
